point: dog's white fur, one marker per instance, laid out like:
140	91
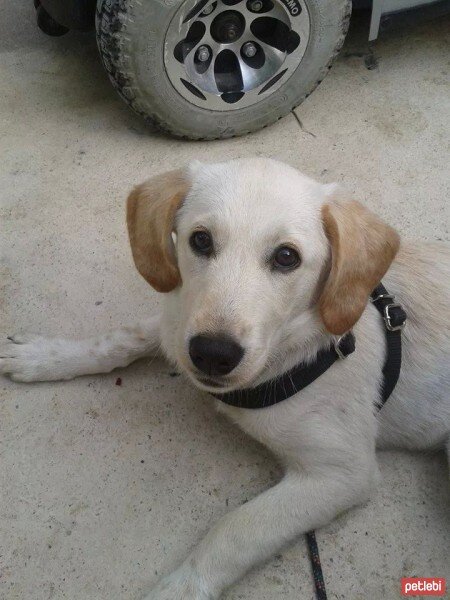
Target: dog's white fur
325	435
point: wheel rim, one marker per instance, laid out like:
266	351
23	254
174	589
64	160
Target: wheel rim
229	54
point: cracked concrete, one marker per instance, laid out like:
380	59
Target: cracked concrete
104	487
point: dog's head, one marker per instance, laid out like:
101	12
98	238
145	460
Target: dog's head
256	257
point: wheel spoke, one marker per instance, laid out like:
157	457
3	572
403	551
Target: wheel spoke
253	77
276	12
272	54
205	81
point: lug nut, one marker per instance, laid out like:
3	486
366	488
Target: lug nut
256	5
249	50
208	10
203	53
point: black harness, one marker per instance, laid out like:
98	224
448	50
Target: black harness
296	379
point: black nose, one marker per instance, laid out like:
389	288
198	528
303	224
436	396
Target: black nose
215	356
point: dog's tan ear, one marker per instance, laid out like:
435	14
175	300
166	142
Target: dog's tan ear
151	209
362	249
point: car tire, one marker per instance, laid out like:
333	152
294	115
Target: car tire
131	39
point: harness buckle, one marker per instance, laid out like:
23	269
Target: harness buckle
382	297
389	318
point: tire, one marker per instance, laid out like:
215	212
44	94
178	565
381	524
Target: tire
131	37
47	23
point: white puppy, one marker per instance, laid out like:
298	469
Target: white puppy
263	267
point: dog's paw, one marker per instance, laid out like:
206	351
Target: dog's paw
31	358
180	585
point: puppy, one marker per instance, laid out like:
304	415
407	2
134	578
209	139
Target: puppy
262	268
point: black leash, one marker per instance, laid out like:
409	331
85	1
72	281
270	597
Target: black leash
302	375
316	565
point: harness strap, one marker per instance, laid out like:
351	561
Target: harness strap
302	375
290	383
394	319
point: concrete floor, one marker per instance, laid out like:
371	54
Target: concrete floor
103	487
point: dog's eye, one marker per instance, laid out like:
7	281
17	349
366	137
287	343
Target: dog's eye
285	258
201	242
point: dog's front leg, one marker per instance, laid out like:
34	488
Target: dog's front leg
38	358
258	529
